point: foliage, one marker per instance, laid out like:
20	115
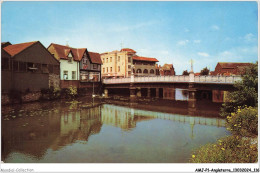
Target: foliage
185	72
70	92
231	149
50	93
204	71
246	93
243	122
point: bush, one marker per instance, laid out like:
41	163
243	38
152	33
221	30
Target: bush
50	93
70	92
231	149
244	121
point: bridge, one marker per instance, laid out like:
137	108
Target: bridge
164	86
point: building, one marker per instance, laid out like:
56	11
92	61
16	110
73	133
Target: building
230	68
28	67
166	70
120	64
76	65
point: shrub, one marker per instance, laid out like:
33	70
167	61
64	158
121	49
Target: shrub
231	149
244	121
50	93
70	92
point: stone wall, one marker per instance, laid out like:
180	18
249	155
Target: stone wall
54	80
25	97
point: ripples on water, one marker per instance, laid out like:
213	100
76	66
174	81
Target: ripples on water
75	132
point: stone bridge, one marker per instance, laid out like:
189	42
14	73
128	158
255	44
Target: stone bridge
164	86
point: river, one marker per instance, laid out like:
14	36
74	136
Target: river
108	131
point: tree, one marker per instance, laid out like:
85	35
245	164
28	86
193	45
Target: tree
246	93
185	72
204	71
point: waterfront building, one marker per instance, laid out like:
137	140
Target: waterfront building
230	68
76	65
28	67
120	64
166	70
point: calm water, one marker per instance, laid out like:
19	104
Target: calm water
72	132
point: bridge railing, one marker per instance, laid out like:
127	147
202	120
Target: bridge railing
179	78
216	79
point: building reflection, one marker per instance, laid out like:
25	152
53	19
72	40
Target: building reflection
121	117
53	129
34	135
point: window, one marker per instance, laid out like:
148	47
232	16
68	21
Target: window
5	64
73	75
15	65
111	69
95	66
103	60
152	71
103	70
129	59
22	66
38	66
145	71
118	58
129	73
107	69
118	68
65	75
110	59
70	57
107	59
138	71
129	67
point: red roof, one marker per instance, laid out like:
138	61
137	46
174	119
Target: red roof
127	50
139	58
95	57
232	64
17	48
63	51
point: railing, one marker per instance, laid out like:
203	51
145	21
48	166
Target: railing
176	79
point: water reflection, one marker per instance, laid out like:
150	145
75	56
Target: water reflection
76	132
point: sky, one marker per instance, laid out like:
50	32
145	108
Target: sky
172	32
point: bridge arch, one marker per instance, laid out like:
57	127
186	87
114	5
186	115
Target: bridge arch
145	71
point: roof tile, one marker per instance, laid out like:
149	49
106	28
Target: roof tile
17	48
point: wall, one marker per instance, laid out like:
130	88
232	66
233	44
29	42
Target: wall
69	66
123	63
54	80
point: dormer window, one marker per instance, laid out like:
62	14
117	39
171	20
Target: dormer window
70	57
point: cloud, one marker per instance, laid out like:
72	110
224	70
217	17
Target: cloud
186	30
204	54
183	42
214	27
249	38
196	41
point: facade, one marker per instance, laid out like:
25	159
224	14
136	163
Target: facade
90	67
76	64
28	67
166	70
120	64
230	68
